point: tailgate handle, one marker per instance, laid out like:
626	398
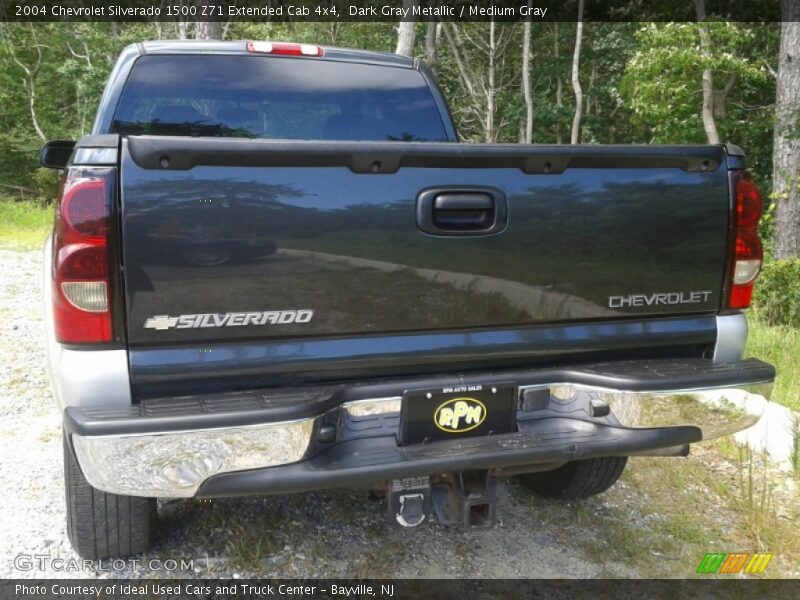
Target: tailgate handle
463	202
461	212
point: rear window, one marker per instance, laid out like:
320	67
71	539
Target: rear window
276	98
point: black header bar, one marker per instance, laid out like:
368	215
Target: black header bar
383	10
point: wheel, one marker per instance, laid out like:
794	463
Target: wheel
578	479
102	525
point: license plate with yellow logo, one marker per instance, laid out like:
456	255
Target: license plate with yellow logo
457	411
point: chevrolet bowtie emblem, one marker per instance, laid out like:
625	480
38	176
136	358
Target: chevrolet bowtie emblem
161	322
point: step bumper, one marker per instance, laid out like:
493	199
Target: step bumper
261	442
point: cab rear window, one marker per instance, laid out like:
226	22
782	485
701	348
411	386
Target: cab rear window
276	98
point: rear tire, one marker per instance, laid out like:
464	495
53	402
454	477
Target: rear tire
578	479
102	525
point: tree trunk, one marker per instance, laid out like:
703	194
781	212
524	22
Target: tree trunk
207	30
430	43
406	31
721	97
29	81
526	82
786	146
576	84
559	99
490	92
589	93
334	29
709	124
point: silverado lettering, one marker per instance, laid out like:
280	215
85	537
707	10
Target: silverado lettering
237	319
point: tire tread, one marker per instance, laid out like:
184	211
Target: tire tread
102	525
577	479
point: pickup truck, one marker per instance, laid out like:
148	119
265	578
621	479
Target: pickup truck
275	269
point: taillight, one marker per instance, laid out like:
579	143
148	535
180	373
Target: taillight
285	48
748	252
81	302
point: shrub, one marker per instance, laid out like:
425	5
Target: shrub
777	293
46	183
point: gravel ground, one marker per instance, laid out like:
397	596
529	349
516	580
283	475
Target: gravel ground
323	534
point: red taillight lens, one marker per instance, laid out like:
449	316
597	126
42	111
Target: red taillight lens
748	202
748	252
81	303
83	206
285	48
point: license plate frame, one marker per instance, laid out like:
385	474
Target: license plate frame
424	417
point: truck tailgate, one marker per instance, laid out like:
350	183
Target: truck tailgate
227	240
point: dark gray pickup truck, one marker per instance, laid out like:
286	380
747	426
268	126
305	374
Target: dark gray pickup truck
275	269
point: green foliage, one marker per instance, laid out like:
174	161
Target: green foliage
777	294
778	345
662	86
24	225
45	184
663	80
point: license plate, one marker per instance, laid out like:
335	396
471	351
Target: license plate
457	411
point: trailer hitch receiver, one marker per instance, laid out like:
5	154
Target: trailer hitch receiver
467	499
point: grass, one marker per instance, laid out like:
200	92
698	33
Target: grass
795	456
755	499
720	499
255	542
779	346
678	529
24	225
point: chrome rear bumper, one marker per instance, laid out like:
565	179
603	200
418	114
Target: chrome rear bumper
154	450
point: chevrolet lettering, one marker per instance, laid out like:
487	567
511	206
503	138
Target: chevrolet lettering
664	298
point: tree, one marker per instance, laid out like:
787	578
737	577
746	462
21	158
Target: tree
406	31
431	35
576	83
786	146
479	53
527	137
207	30
709	123
559	91
31	73
670	100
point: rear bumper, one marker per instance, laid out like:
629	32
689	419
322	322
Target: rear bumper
266	442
